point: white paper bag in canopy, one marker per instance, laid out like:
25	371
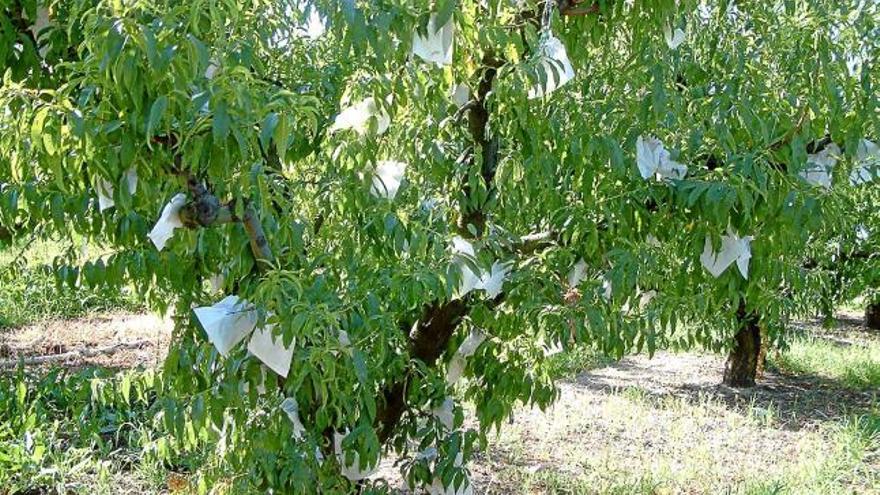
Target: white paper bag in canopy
271	350
437	44
388	177
654	160
734	249
170	220
492	281
358	116
105	189
291	409
227	323
462	249
445	413
577	273
820	165
459	359
460	95
553	62
353	471
867	163
674	38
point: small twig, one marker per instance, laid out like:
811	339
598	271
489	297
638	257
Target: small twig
79	353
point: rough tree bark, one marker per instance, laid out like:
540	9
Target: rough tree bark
872	315
742	362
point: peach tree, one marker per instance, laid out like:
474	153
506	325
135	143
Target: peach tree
363	214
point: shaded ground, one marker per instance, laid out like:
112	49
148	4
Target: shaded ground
666	425
54	337
639	426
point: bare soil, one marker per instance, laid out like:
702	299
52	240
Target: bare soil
92	332
664	422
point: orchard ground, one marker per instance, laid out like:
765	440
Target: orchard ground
640	425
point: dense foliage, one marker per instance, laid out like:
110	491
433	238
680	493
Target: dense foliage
376	216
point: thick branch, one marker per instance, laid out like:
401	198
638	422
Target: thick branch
573	8
66	356
259	243
440	319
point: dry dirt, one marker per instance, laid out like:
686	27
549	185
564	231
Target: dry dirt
664	421
89	333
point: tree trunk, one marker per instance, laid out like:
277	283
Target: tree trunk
742	362
872	315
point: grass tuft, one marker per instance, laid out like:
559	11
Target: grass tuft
854	365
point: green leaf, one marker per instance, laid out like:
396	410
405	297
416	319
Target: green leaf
38	124
220	124
445	9
267	129
157	110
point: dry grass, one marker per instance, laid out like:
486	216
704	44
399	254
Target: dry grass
91	332
665	425
638	426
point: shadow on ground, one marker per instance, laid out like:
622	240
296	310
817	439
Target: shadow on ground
797	401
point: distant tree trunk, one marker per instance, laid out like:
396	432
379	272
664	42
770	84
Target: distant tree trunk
742	362
872	315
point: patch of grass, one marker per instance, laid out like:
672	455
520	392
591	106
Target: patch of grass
555	481
570	363
847	463
855	365
626	441
29	291
76	433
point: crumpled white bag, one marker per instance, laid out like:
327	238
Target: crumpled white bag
492	280
460	95
673	38
357	117
227	323
387	180
867	163
554	63
438	43
291	409
271	350
105	189
654	160
467	349
353	471
461	248
607	288
734	249
819	166
445	413
211	69
170	220
577	274
552	348
217	281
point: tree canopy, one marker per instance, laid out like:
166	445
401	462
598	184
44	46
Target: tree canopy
402	192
